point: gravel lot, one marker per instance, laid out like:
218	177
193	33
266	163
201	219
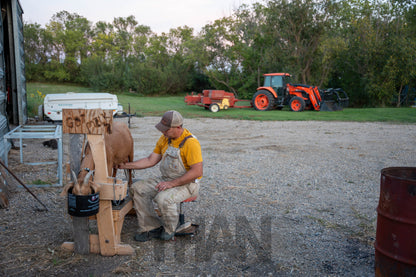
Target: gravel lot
277	199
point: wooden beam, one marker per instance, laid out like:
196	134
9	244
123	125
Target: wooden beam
114	189
100	158
106	232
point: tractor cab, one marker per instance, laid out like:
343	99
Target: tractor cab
273	92
277	82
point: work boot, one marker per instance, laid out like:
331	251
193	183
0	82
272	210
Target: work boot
183	228
145	236
166	236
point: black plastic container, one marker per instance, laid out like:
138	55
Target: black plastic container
83	205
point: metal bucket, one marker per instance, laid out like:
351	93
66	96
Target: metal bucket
83	205
395	246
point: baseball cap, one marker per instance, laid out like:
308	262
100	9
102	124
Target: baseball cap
169	119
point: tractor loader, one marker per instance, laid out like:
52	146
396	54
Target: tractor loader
278	92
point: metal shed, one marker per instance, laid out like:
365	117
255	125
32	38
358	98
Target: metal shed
13	100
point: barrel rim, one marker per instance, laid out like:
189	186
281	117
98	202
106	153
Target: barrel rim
399	258
385	172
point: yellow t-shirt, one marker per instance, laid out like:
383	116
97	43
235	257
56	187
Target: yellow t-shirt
190	151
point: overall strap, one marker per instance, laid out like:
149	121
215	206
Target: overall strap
184	140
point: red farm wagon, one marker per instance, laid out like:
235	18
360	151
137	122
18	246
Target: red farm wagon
214	100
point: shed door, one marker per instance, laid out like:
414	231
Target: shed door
4	146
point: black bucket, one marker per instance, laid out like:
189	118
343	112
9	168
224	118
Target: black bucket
330	106
83	205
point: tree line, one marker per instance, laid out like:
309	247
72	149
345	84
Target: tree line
368	48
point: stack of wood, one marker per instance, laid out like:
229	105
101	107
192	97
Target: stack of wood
4	191
8	186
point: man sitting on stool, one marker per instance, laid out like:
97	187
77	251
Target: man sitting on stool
180	157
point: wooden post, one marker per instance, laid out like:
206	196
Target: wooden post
80	225
95	123
75	151
4	197
80	229
4	191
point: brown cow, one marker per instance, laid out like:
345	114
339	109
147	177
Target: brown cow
119	149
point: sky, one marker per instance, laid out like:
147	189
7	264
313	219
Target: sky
159	15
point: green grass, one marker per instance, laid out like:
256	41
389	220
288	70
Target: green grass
47	88
156	106
37	91
40	182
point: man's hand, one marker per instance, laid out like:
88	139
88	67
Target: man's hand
164	185
121	166
143	163
188	177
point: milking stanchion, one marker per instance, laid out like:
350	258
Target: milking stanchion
107	242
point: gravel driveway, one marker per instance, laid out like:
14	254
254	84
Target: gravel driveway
277	199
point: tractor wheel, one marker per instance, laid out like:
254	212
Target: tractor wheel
297	104
263	100
214	108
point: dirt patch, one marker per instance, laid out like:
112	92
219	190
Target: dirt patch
277	199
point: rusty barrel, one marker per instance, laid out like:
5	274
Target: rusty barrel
395	246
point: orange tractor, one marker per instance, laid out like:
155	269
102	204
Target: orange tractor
277	92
